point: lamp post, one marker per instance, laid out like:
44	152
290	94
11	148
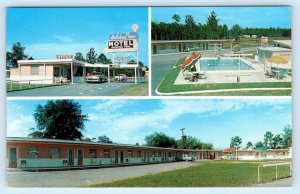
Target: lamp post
236	154
183	138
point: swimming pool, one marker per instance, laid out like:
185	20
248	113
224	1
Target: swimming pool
223	64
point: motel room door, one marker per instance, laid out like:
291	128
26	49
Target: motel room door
179	47
154	49
12	157
71	157
122	157
79	157
116	157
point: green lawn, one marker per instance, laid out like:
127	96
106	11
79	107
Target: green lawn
140	89
167	86
210	174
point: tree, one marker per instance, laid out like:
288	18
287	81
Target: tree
79	56
102	59
287	136
190	143
212	26
59	119
249	145
268	138
236	141
91	56
277	142
236	32
17	53
160	140
176	18
104	139
259	145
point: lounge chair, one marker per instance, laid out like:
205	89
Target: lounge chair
282	74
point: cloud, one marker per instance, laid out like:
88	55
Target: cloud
112	119
66	39
20	125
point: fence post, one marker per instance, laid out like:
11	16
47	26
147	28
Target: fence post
276	172
258	175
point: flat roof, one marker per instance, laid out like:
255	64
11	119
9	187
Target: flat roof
188	41
26	139
275	49
50	61
287	43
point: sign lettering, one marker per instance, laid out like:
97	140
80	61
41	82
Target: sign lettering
120	44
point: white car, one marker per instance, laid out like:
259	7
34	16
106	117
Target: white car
96	77
186	157
121	77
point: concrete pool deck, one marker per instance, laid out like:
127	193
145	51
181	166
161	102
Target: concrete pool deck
230	76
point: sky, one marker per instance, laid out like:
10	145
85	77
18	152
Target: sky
260	17
129	121
46	32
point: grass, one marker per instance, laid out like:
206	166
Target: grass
211	174
167	86
140	89
247	93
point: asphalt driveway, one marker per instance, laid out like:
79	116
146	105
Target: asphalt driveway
82	89
76	178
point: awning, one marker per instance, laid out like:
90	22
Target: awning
278	60
229	150
190	60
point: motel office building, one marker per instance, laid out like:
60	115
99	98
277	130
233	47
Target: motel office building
27	153
65	69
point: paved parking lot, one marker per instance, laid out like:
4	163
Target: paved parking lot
82	89
76	178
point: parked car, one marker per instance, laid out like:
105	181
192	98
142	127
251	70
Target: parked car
228	157
186	157
96	77
121	77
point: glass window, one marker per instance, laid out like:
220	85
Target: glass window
32	152
162	47
34	70
106	153
55	153
169	154
153	154
173	46
129	154
93	153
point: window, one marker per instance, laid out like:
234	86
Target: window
55	153
169	154
129	154
250	153
93	153
139	154
153	154
106	153
162	47
173	46
34	70
32	152
159	154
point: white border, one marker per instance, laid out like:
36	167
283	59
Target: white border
296	97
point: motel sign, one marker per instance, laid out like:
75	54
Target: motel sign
121	44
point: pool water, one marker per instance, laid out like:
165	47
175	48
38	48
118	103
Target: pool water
223	64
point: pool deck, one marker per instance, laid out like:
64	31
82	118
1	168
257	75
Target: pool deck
231	76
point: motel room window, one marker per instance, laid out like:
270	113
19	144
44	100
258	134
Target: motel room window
93	153
250	153
32	152
129	154
162	47
34	69
169	154
158	154
191	45
55	153
106	153
139	154
173	46
153	154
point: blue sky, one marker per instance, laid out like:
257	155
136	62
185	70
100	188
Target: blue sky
261	17
46	32
129	121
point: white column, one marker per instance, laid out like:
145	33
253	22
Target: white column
135	80
72	72
84	73
108	74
